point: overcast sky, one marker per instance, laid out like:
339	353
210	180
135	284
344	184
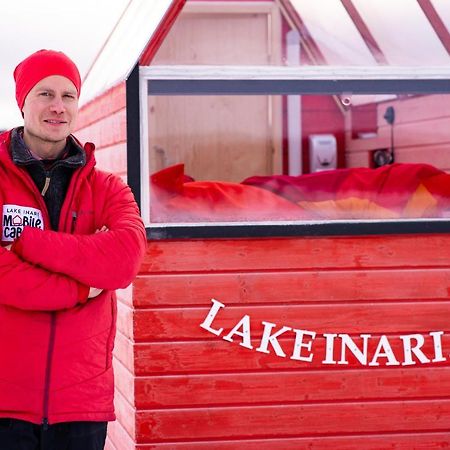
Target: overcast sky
77	27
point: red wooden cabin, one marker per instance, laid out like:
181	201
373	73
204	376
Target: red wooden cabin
291	163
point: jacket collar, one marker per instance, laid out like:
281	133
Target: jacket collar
73	155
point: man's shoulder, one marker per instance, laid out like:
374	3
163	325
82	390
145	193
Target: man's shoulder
103	175
5	137
106	180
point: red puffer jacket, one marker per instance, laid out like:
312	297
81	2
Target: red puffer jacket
55	345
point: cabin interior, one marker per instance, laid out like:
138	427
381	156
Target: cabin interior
231	139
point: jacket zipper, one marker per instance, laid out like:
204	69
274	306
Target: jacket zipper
48	368
74	222
51	345
46	185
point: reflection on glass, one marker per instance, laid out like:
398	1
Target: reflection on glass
334	32
132	33
226	158
442	8
403	32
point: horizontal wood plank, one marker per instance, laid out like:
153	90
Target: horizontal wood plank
281	387
221	255
419	108
123	350
109	445
125	413
102	106
291	287
119	437
223	356
356	147
410	441
375	318
125	295
124	381
109	131
429	132
292	420
125	319
437	155
357	159
112	159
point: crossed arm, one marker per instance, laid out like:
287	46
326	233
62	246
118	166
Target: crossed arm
25	286
49	270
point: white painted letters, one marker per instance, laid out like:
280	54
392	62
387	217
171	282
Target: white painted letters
272	338
384	349
299	345
211	316
410	349
244	323
347	342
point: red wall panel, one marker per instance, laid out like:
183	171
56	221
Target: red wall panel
194	390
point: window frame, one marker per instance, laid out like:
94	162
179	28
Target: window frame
268	80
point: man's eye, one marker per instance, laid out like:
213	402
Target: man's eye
45	94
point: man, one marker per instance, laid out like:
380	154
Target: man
70	236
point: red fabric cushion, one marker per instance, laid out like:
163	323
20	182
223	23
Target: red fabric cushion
407	190
393	191
174	200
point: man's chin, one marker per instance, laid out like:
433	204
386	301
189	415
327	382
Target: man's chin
55	137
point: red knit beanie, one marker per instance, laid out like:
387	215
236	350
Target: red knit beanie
40	65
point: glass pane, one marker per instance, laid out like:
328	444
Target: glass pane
334	32
443	9
403	32
258	33
233	33
215	159
121	51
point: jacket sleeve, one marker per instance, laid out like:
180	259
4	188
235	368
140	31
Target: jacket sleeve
106	260
25	286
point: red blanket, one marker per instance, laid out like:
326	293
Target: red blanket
176	199
389	192
392	191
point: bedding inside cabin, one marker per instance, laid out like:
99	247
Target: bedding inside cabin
395	191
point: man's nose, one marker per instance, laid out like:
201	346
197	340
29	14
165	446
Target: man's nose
58	105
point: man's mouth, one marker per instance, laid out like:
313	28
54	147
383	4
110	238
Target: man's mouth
54	121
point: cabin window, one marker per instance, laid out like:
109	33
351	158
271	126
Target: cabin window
267	118
230	153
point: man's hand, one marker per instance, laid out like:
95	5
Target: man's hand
93	292
8	247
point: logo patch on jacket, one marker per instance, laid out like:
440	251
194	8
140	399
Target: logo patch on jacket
16	217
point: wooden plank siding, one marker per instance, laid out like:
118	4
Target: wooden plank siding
431	441
195	390
421	133
103	122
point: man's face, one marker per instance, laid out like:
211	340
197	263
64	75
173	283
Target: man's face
50	111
